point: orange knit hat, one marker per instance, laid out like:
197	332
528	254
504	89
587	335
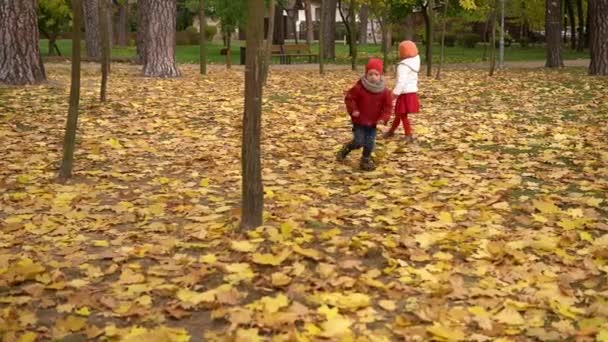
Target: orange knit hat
407	49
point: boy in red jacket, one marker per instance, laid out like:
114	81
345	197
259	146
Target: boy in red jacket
368	103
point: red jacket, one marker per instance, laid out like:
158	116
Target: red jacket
372	107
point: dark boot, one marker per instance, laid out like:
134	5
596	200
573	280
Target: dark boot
367	164
388	134
344	151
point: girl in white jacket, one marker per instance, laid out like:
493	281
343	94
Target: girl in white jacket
406	88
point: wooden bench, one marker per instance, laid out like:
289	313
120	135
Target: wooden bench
299	50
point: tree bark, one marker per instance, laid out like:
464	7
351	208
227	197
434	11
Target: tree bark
409	27
363	21
443	29
69	141
160	39
386	42
353	34
278	36
203	37
580	46
493	41
252	187
553	27
123	24
598	37
91	28
104	22
428	21
570	10
329	29
20	59
229	50
310	28
268	47
143	18
321	40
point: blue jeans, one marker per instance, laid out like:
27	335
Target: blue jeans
363	136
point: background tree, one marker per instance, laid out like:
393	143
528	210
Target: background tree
329	28
122	23
92	28
349	20
69	141
143	17
54	17
310	30
231	15
553	29
104	23
252	188
598	37
20	60
160	39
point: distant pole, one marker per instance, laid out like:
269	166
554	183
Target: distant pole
501	53
321	40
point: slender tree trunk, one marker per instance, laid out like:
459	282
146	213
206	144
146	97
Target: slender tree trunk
428	20
229	51
553	27
91	29
329	30
493	42
598	37
53	48
69	141
104	22
580	46
353	34
20	59
253	190
363	21
160	39
321	39
143	18
570	11
279	26
310	28
374	33
409	27
123	24
268	47
203	38
386	42
443	29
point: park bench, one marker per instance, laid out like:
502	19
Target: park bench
291	51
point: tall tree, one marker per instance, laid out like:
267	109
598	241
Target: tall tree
104	22
581	25
329	28
321	40
553	29
20	60
570	11
143	18
310	30
54	17
69	141
253	191
350	24
278	36
122	24
91	29
203	38
493	39
444	20
231	15
429	15
160	39
598	37
364	21
268	45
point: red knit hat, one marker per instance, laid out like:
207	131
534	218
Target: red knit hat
375	64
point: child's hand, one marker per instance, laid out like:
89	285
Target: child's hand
355	114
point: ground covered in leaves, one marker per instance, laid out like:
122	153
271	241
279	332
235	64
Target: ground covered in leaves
493	227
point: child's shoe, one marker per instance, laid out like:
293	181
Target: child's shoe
344	151
410	139
367	164
388	134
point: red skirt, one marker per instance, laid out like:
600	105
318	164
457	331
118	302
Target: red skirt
407	104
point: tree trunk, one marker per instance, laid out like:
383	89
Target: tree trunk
203	37
53	48
310	27
252	188
409	27
104	22
553	27
160	39
69	141
91	28
229	50
329	29
321	40
268	47
363	21
374	32
493	42
443	29
428	21
278	36
20	59
570	9
386	42
353	34
143	18
598	37
123	24
580	46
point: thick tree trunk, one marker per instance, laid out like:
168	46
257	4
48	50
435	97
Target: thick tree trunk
123	25
580	46
143	18
278	36
329	29
104	22
363	21
598	37
160	39
91	28
553	27
20	60
69	141
203	37
310	28
252	187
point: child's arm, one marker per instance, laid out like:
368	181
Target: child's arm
387	106
351	101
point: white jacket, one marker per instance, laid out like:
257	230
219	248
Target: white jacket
407	76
